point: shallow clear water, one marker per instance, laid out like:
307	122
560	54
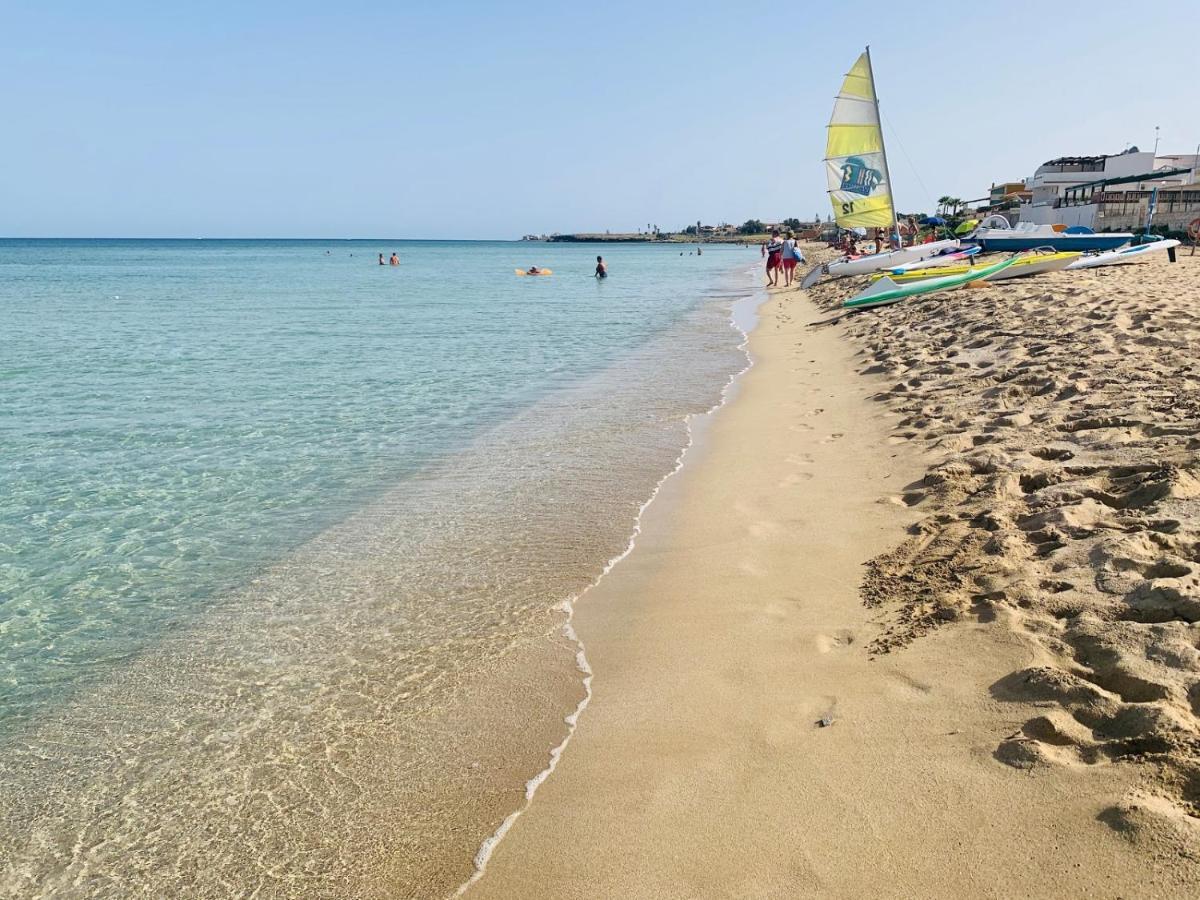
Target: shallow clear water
274	515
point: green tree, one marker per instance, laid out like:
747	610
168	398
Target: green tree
791	223
944	203
752	226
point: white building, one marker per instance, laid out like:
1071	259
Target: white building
1062	190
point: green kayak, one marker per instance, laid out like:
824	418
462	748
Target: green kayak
885	291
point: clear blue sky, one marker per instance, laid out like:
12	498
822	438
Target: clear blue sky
481	120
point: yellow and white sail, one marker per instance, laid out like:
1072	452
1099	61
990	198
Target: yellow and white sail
854	157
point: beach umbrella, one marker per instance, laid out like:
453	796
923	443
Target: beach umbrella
933	220
967	226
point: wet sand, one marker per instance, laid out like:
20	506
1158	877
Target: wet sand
737	628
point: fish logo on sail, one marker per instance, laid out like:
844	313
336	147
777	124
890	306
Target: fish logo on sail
859	178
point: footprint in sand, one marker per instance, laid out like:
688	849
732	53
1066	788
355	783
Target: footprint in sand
827	643
777	611
912	498
833	438
801	427
763	528
800	459
796	478
906	686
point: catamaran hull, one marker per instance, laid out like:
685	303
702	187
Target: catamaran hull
957	258
876	262
1121	257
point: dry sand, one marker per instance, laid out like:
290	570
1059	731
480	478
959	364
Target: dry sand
1036	440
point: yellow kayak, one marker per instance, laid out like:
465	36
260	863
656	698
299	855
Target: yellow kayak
538	272
1034	264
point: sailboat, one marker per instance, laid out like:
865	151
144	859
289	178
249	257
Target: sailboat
860	186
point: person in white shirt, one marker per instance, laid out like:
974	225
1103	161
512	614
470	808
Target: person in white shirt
790	256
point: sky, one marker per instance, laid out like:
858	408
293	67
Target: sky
492	120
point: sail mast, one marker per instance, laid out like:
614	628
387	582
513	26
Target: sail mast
855	165
887	175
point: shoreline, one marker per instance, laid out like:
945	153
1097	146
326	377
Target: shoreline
744	310
735	626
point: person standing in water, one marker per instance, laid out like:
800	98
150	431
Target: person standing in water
395	260
381	262
601	268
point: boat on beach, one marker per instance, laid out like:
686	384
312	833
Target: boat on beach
1030	264
1123	255
948	257
877	262
885	290
995	234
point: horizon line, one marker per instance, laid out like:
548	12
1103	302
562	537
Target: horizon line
131	237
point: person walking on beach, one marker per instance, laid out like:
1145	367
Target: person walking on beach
789	256
395	260
774	250
601	268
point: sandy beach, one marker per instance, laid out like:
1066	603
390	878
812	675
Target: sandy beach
916	618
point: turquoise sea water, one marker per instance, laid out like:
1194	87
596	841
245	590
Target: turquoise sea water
263	489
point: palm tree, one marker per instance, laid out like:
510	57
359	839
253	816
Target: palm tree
944	203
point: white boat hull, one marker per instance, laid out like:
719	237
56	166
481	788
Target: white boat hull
958	258
1122	256
1036	267
876	262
